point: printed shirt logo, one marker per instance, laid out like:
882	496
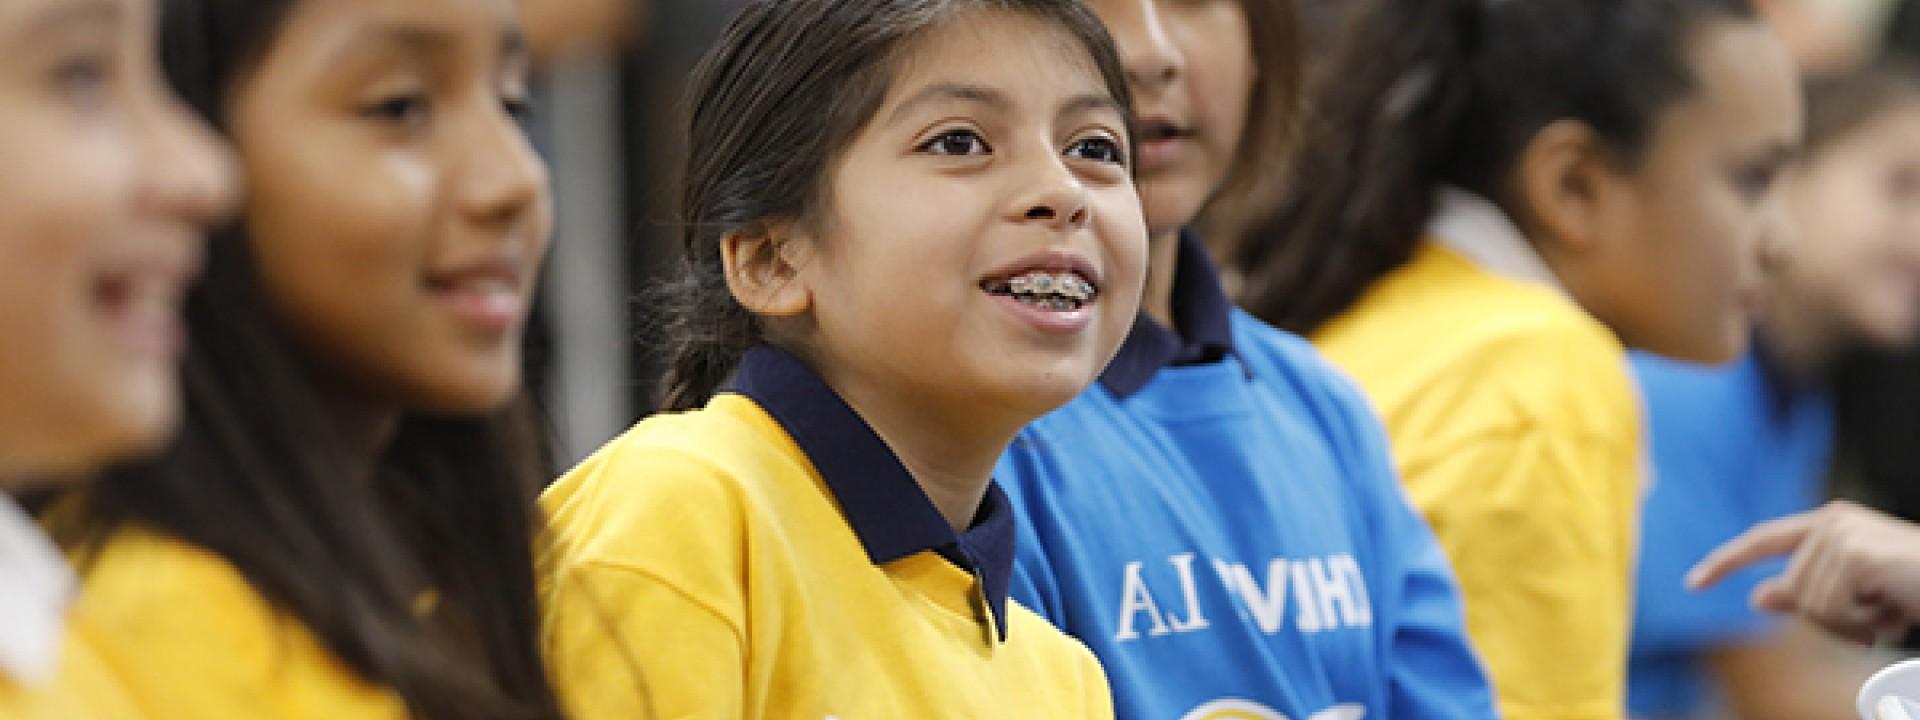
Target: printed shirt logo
1327	593
1238	709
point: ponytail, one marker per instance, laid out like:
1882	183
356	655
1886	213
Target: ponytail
1369	159
1420	93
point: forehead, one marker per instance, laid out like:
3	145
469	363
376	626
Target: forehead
326	23
1029	58
21	20
1746	88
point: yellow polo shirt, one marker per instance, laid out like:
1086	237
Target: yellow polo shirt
189	638
1517	430
83	688
768	557
49	667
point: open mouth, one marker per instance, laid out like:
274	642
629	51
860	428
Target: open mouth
1155	129
1061	291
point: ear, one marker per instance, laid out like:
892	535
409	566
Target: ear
763	269
1565	180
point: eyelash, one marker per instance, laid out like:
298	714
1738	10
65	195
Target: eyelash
405	109
1755	181
1114	155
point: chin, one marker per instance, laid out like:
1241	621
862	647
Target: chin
1039	393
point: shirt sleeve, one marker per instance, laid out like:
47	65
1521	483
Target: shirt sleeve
1539	524
643	603
624	643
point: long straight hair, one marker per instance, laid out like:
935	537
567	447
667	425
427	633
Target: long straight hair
262	476
1419	93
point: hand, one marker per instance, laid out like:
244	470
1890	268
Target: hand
1854	572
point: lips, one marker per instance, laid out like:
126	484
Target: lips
1162	140
488	294
140	297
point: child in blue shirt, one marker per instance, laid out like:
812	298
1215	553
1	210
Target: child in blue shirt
1218	517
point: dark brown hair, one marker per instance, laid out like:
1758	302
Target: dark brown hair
1419	93
788	87
1842	103
1273	112
261	475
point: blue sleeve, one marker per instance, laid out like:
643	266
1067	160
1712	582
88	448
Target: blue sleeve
1433	670
1725	457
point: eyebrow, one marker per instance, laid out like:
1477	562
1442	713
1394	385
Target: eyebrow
998	100
427	40
1780	153
67	15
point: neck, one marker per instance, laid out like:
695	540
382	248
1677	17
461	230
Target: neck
367	428
1163	265
1800	341
950	451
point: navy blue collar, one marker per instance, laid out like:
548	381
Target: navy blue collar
1205	332
884	505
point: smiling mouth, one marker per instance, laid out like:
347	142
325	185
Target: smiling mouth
1060	291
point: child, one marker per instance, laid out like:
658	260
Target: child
1743	444
108	186
345	527
911	229
1494	199
1219	518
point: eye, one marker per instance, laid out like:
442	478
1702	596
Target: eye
1098	149
1754	181
84	79
1903	183
956	142
409	109
518	107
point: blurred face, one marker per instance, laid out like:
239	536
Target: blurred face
105	190
398	215
984	247
1700	212
1190	64
1856	259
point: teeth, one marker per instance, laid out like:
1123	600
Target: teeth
1068	285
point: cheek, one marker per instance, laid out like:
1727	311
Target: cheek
341	240
66	378
1220	58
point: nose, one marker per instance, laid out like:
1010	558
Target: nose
186	174
1055	199
1151	58
501	179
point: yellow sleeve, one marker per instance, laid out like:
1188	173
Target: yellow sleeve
645	599
1539	523
626	644
191	639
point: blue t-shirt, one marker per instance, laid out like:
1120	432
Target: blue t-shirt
1219	520
1733	446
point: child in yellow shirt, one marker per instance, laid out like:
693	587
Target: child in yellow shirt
345	527
1497	200
107	189
911	229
